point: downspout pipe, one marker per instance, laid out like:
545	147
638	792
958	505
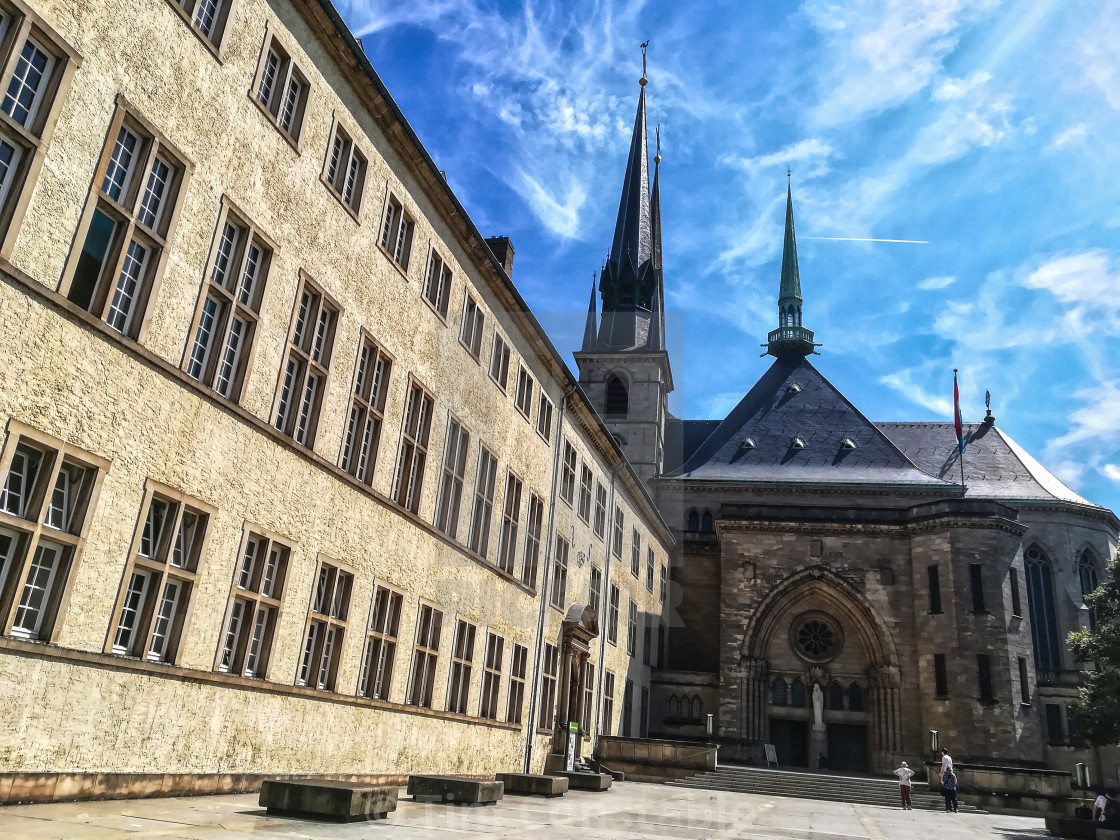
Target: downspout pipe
605	598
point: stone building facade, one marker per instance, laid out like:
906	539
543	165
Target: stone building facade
292	479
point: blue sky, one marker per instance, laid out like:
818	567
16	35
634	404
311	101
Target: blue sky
986	129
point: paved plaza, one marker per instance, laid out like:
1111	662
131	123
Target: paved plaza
629	810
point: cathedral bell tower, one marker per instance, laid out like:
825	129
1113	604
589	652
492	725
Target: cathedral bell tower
790	339
623	364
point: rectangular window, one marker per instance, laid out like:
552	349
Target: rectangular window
428	626
976	577
470	334
524	398
160	576
616	546
940	677
663	586
568	474
595	589
254	607
414	448
225	321
584	508
643	726
326	627
207	17
934	589
632	628
651	565
397	229
635	553
588	697
647	644
984	677
511	520
437	283
462	657
344	171
482	510
1024	683
366	413
533	522
281	90
558	592
600	510
516	700
450	495
1016	603
544	416
1054	734
125	226
612	615
303	378
607	718
627	709
491	677
549	677
381	644
48	489
499	361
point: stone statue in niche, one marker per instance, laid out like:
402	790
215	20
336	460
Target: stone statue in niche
818	706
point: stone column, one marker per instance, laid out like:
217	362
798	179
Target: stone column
886	732
755	690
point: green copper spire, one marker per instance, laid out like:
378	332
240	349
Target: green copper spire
790	339
790	291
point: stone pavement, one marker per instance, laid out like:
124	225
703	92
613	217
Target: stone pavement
629	810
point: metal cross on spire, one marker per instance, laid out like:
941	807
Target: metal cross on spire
644	45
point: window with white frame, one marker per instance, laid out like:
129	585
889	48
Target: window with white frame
160	577
450	495
651	565
123	234
281	89
635	553
588	697
664	585
511	521
482	510
533	523
549	677
607	718
568	473
409	481
596	591
208	18
254	607
326	627
524	396
619	524
366	416
632	628
515	702
437	283
381	644
585	483
600	527
397	229
225	321
307	362
612	615
462	659
345	169
429	623
470	333
544	417
499	361
48	490
491	677
558	592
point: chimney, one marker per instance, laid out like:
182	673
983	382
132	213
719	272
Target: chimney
502	249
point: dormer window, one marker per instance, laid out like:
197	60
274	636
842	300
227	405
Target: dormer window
847	443
797	443
748	443
793	388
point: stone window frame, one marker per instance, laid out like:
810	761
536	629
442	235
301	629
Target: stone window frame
545	410
533	530
437	295
425	655
493	654
1024	682
415	437
647	643
349	156
643	713
1016	593
985	679
651	565
313	357
462	664
586	485
635	553
631	627
627	723
453	476
369	394
501	354
976	588
159	571
324	629
523	398
550	680
27	530
515	695
124	214
663	584
933	588
599	529
382	638
215	40
568	474
268	603
234	301
287	71
614	603
396	231
607	714
617	534
472	325
558	588
595	590
482	503
511	521
940	677
31	140
588	698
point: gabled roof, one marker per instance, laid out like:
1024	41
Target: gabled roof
797	423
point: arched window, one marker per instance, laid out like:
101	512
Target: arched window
697	709
797	694
686	709
778	695
1044	614
618	400
855	698
674	707
693	521
1087	572
836	696
706	524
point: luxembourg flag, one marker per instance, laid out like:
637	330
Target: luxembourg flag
958	426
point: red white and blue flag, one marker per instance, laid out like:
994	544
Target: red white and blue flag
958	426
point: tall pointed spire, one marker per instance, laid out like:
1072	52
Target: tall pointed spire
657	308
589	336
790	290
631	241
791	339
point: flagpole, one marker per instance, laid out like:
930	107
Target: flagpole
959	425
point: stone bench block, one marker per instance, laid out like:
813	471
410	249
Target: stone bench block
1071	828
344	801
587	781
530	784
1108	834
454	790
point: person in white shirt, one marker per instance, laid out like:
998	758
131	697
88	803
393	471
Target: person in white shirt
1098	805
946	764
904	774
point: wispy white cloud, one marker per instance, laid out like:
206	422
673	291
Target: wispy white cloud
942	282
960	88
1070	135
905	383
812	151
1111	471
1101	64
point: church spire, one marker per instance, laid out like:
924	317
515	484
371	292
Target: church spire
790	291
589	337
791	339
657	307
631	231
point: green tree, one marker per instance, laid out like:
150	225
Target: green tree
1099	710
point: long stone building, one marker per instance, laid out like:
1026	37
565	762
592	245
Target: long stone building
292	479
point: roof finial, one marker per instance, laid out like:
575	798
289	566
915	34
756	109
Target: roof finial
789	174
642	81
657	133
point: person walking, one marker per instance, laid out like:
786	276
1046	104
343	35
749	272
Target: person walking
949	789
904	774
946	763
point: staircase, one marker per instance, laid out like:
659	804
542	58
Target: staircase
857	790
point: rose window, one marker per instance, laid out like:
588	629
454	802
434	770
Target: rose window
815	638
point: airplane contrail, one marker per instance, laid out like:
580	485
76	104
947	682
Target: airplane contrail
851	239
